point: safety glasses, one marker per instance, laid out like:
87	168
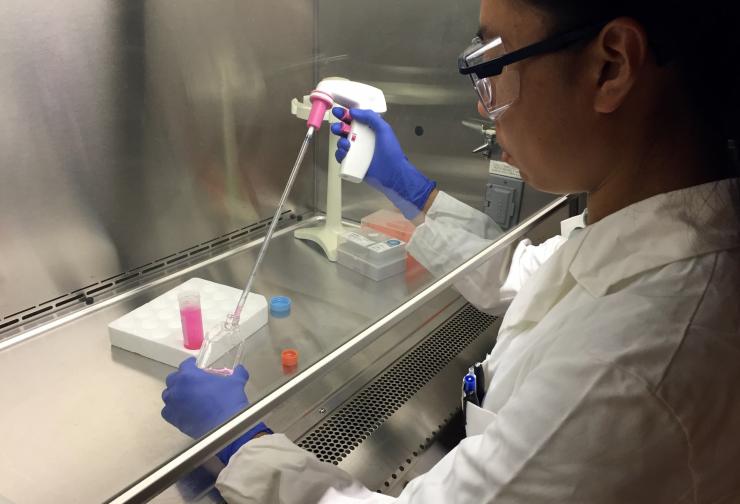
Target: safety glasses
497	86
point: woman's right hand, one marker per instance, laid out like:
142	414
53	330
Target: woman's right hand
390	171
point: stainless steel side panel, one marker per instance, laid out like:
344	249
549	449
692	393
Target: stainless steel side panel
131	130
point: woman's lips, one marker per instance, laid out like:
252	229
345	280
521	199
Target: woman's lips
505	156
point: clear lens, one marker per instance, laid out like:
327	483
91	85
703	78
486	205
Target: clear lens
498	93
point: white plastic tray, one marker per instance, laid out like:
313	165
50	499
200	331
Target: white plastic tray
368	269
154	330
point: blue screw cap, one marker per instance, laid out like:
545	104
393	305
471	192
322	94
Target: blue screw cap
280	306
469	384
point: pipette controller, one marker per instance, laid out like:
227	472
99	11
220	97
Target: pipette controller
349	94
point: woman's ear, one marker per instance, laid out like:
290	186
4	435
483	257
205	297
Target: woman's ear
617	55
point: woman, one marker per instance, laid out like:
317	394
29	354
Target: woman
615	376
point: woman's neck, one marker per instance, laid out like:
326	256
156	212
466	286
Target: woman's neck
673	162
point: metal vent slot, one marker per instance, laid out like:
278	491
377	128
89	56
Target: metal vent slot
84	296
343	431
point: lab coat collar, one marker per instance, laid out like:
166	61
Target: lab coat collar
543	290
648	234
571	224
655	232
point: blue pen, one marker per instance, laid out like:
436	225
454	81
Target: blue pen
469	389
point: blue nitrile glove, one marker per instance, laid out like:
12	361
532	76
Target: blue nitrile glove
196	402
390	171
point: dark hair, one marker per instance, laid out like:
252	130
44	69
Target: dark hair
702	42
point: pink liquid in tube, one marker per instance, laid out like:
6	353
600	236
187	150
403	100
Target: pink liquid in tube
191	318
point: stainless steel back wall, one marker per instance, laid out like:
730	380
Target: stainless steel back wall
132	130
409	49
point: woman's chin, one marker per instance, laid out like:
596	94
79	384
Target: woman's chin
508	159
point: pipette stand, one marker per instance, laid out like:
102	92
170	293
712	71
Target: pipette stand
327	234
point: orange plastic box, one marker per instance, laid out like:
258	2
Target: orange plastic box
390	223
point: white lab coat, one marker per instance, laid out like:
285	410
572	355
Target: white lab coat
615	379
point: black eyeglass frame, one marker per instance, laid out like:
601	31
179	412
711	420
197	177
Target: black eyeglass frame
495	67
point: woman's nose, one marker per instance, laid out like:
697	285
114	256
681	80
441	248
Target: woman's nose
482	110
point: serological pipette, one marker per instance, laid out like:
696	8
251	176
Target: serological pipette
320	102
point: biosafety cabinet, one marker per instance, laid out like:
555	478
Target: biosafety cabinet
145	144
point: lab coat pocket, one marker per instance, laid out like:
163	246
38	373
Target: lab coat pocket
477	419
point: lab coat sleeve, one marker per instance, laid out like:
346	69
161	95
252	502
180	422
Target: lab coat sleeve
452	232
271	470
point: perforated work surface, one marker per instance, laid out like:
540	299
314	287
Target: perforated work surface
343	431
